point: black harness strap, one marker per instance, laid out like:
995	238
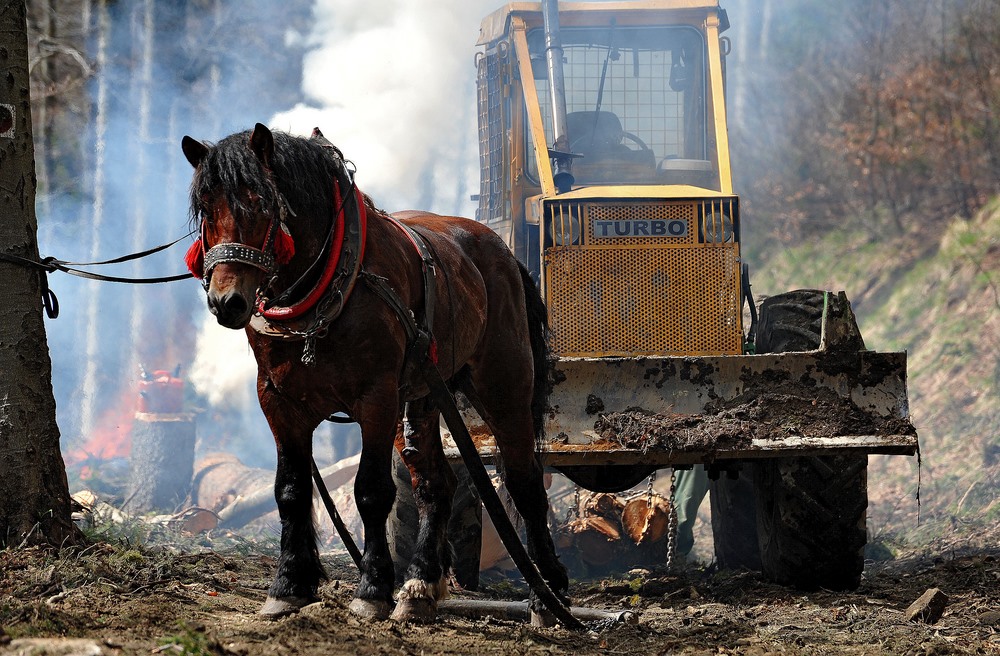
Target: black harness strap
419	340
419	335
428	270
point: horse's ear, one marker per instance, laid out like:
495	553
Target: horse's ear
194	150
262	144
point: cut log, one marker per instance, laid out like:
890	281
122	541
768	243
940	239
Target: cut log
253	502
605	505
645	518
221	478
161	461
596	540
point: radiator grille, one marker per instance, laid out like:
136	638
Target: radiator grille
644	301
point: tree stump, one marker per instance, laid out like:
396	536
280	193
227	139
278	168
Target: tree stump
162	461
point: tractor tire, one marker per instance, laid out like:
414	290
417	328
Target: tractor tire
465	527
811	511
734	521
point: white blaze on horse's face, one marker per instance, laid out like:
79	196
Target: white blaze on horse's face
232	289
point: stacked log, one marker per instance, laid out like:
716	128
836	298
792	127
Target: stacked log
597	532
610	531
645	518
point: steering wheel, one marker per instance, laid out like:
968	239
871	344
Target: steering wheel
639	142
602	145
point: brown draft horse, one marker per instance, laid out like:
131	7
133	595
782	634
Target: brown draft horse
258	196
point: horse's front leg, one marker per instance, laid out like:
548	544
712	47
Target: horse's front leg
374	493
433	488
299	567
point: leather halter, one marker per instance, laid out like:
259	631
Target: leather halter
261	258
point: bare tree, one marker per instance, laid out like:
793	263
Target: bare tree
34	494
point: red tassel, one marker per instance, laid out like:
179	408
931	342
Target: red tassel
284	245
195	259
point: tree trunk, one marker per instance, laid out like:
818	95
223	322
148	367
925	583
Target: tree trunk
34	493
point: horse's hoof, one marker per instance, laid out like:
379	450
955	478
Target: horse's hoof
421	610
370	609
543	618
276	607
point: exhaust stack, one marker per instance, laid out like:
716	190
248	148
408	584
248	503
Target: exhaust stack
562	162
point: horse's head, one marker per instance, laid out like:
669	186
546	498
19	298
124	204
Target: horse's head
237	204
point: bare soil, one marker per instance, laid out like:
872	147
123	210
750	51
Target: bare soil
755	417
159	600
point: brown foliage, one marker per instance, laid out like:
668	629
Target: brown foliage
904	131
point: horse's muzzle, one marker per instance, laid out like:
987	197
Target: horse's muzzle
231	309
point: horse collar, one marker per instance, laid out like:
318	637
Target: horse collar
304	319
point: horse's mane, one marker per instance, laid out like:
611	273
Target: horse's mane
303	170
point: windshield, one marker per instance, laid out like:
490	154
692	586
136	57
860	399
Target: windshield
635	104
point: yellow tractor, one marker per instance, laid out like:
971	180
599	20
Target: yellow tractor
605	166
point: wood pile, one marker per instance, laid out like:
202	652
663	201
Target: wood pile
610	531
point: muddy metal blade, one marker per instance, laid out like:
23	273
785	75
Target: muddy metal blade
684	410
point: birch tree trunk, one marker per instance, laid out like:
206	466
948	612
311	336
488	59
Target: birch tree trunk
34	493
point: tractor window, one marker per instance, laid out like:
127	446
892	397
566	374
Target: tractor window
635	104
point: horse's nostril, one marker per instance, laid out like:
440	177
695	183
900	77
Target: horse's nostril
235	305
231	308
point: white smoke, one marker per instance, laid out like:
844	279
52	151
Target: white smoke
392	83
224	368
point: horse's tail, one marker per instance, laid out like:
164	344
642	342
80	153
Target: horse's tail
538	330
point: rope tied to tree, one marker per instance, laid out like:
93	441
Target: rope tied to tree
50	264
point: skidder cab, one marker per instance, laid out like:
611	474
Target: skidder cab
606	162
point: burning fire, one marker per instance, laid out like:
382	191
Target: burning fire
159	392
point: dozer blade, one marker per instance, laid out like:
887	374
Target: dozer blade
685	410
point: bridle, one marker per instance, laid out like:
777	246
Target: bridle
336	268
263	258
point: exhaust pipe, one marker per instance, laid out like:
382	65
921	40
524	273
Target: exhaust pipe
562	162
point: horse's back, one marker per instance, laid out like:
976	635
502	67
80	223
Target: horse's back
495	292
486	249
452	225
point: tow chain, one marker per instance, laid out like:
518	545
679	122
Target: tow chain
574	512
671	521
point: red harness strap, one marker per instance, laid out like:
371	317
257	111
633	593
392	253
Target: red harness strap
296	310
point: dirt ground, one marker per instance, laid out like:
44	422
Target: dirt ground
203	600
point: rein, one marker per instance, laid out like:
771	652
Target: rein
50	264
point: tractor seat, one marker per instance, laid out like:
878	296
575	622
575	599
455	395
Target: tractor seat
595	132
